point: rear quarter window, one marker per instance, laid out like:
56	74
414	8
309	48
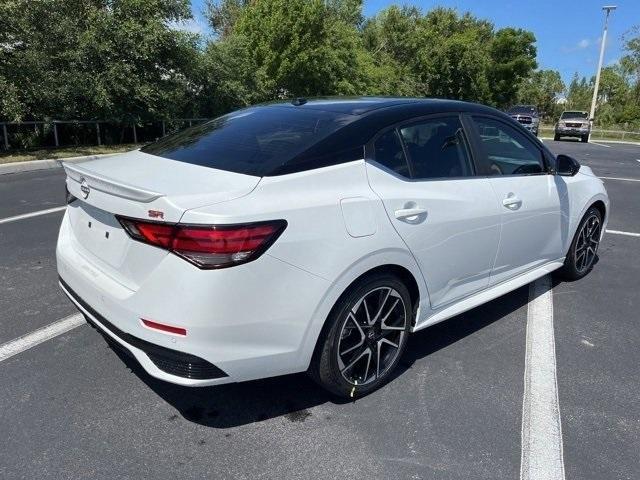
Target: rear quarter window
255	141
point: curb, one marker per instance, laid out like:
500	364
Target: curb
622	142
33	165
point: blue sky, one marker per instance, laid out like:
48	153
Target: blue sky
568	32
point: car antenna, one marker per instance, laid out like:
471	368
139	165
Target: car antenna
298	101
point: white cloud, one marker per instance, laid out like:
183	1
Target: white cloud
192	25
584	43
581	45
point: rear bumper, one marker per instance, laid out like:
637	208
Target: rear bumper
571	132
165	360
243	323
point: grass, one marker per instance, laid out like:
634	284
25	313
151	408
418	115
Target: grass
548	131
62	152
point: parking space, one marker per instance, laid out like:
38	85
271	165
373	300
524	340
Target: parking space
74	408
31	191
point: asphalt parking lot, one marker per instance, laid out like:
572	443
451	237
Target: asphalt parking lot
71	407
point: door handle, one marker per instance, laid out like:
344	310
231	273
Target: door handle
407	213
512	202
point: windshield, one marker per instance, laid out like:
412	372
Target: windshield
574	115
253	141
526	109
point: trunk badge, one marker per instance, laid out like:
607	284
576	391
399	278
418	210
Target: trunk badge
84	188
156	214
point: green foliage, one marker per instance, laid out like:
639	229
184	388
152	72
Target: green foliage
542	89
513	56
301	48
617	103
223	15
444	54
129	60
95	58
579	94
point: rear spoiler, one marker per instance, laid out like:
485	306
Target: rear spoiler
109	185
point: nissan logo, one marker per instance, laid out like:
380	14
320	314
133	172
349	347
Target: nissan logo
84	188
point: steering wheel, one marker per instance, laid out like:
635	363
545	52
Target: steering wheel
527	168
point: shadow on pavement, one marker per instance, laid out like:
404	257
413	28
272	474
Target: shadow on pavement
291	396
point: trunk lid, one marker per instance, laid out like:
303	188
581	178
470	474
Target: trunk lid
141	186
133	183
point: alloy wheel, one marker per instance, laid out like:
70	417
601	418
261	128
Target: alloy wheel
371	336
587	244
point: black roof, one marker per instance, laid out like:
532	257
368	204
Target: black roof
372	114
365	105
347	124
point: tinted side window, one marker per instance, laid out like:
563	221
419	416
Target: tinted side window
437	148
508	151
388	152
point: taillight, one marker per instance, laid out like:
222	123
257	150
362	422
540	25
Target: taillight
208	246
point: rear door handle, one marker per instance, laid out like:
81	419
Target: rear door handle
408	213
512	202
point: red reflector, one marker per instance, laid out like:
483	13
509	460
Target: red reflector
164	328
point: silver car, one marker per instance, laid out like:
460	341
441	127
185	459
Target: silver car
573	124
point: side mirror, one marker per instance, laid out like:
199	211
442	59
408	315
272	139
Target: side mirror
566	166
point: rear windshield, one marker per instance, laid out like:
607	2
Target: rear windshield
254	141
574	115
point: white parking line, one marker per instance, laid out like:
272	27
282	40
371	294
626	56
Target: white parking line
622	179
20	344
619	232
32	214
600	144
542	457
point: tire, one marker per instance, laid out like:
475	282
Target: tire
556	137
585	138
340	361
577	265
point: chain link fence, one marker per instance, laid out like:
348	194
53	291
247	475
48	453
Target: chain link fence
60	133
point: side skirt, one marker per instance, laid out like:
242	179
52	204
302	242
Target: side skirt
489	294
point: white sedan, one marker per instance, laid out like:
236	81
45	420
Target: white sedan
317	235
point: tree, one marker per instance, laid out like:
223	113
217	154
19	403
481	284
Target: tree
614	89
445	54
391	40
96	59
222	15
579	94
303	48
630	66
513	58
542	88
453	59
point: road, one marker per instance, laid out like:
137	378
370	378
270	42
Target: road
73	408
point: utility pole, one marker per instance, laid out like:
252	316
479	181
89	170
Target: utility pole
608	9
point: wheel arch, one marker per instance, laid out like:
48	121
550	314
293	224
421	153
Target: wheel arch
583	201
403	267
602	208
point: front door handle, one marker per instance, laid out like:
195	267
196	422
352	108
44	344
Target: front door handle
512	202
409	213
